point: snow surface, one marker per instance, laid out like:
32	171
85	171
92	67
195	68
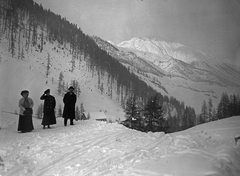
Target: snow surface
99	148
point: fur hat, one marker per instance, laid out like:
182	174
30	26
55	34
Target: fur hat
24	91
71	88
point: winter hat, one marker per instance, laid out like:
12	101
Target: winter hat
71	88
24	91
47	91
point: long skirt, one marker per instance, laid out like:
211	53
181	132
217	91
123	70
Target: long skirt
49	119
25	123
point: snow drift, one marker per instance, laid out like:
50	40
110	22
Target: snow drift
98	148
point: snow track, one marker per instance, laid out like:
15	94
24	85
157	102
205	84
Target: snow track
95	148
88	148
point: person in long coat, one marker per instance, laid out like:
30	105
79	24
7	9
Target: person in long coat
25	104
69	101
48	109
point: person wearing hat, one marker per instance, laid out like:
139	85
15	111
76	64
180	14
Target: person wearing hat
25	104
69	101
48	109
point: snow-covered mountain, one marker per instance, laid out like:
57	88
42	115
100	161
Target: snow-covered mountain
183	72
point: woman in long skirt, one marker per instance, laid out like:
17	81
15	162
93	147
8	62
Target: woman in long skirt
25	104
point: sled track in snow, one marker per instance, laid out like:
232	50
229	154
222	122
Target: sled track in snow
83	152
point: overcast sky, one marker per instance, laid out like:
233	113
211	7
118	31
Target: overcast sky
209	25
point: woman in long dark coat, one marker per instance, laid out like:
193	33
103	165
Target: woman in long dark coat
69	101
48	109
25	104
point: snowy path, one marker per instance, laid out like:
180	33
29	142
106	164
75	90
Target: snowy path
88	148
94	148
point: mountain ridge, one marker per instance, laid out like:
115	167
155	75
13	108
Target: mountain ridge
190	67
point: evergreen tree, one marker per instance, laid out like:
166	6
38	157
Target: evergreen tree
77	113
153	113
223	111
48	65
233	105
238	104
76	86
41	47
214	114
82	110
203	118
189	118
210	110
133	113
60	83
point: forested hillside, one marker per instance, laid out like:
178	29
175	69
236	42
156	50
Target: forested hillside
28	20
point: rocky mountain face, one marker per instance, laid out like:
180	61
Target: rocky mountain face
175	69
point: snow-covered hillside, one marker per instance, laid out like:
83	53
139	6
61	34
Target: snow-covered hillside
181	71
96	148
30	73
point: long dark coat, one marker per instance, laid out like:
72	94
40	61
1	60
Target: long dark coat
69	101
48	110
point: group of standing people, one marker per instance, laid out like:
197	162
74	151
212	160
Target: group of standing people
26	104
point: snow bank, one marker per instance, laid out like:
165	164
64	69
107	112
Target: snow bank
98	148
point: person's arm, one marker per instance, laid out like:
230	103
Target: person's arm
20	105
31	103
54	103
43	97
75	98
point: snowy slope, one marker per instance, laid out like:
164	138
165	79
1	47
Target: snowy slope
181	71
30	73
104	149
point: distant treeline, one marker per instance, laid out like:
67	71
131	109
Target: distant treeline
227	107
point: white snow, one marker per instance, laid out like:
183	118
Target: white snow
99	148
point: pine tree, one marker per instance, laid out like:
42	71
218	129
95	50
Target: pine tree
82	110
41	47
238	104
203	118
210	110
73	63
222	110
154	115
214	114
48	66
60	83
132	113
77	113
233	105
189	118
